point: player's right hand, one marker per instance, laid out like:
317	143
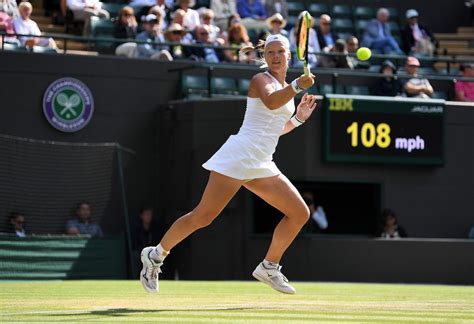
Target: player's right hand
305	81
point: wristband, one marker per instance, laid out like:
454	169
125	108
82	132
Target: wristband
295	86
295	121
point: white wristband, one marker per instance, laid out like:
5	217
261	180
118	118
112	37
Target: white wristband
296	88
295	121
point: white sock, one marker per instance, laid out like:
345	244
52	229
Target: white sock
159	254
269	265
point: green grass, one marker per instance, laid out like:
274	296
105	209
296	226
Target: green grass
233	302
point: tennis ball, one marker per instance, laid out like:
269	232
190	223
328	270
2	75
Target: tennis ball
363	53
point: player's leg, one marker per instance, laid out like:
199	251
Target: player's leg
279	192
219	191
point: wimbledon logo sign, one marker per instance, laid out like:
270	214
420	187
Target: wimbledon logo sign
68	105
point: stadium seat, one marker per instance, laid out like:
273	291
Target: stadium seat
194	86
102	28
112	8
395	27
360	26
327	88
344	36
317	9
364	12
393	13
440	95
243	85
41	49
294	8
223	86
13	47
342	25
357	90
202	3
341	11
374	68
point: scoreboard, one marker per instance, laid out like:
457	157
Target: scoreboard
383	130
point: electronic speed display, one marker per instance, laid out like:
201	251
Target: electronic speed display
383	130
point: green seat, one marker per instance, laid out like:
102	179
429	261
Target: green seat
317	9
440	95
394	26
361	12
374	68
102	28
357	90
393	12
243	85
361	25
41	49
294	8
341	11
327	89
225	86
13	47
112	8
194	86
342	25
344	36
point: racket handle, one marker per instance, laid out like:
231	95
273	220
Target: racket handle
307	70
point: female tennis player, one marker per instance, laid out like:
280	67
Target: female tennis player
245	160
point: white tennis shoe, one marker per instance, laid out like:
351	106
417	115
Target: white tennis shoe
150	271
274	278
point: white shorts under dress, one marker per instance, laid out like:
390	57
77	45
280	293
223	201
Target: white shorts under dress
249	154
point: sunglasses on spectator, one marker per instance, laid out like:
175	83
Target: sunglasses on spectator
127	14
176	32
326	24
204	33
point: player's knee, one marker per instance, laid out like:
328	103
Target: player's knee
202	218
302	214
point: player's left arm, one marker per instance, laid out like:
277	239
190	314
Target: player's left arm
303	111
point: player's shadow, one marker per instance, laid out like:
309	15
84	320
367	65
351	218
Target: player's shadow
127	311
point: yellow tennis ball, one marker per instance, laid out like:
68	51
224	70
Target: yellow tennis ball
364	53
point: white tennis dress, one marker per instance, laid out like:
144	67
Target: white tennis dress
249	154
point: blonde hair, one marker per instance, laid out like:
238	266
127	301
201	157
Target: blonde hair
27	5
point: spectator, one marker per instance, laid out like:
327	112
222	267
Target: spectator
207	17
233	19
416	87
205	54
238	38
10	7
326	38
223	9
390	228
276	6
177	17
191	18
160	16
253	14
83	10
24	25
388	85
276	23
174	34
465	89
318	221
83	223
165	11
352	45
378	35
416	38
313	46
6	25
336	61
18	221
125	24
152	35
141	7
145	231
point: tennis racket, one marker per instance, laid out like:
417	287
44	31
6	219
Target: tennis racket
302	37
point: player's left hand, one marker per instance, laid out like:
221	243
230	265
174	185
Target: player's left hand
306	107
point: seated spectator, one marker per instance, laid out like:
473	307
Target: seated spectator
317	221
152	35
165	9
416	38
160	15
207	16
336	61
18	221
174	34
6	25
276	6
203	54
83	223
25	26
10	7
141	7
252	13
145	230
233	19
83	10
177	17
125	24
313	46
390	228
191	17
352	45
237	39
276	23
465	89
223	9
416	87
388	85
378	35
326	38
